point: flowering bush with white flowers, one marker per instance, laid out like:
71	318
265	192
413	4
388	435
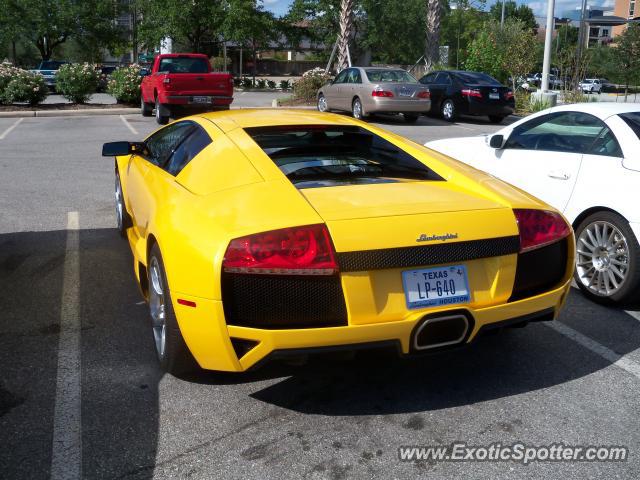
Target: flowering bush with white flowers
307	87
77	81
124	84
17	85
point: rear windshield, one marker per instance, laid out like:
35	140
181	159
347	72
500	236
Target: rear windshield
326	155
183	65
477	78
390	76
633	120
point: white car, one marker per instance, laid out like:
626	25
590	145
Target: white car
584	159
590	85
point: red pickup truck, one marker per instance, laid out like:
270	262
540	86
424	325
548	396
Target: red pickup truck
184	81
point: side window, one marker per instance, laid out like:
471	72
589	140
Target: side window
428	78
571	132
187	150
606	144
342	77
354	76
161	144
443	78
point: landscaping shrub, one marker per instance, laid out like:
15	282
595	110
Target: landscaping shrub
247	82
271	84
261	83
285	85
124	84
237	81
307	87
24	86
7	72
77	81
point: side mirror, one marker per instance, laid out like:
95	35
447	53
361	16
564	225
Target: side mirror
496	141
116	149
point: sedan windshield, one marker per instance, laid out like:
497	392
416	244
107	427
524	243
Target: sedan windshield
326	155
390	76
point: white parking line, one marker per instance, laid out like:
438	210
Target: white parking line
635	315
8	130
66	453
129	126
616	359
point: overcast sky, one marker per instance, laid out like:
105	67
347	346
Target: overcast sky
280	7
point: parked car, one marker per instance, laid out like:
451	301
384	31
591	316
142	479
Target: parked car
608	86
105	71
582	159
48	69
590	85
365	91
181	82
455	92
258	232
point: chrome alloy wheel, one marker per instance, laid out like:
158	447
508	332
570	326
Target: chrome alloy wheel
447	110
157	307
322	103
357	109
603	258
119	204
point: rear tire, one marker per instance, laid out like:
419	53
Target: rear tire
173	354
410	117
160	119
322	103
356	109
611	252
496	118
448	110
145	108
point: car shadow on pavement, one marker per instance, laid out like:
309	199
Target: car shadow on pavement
119	399
513	362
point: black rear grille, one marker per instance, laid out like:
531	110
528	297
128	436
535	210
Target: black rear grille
282	301
427	254
540	270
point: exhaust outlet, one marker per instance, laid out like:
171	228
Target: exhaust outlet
441	331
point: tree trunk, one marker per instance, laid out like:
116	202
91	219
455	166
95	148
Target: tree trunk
432	45
13	52
346	32
255	63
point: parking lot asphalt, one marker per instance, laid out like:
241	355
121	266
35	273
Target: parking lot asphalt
575	381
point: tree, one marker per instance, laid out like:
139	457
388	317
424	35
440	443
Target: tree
484	55
346	32
627	55
196	22
516	44
514	11
460	26
432	40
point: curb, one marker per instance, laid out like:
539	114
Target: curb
68	113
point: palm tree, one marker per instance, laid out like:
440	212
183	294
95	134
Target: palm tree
346	32
432	44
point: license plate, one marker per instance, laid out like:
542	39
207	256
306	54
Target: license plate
494	96
201	100
403	92
432	287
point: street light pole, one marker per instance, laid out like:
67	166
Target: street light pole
546	63
502	15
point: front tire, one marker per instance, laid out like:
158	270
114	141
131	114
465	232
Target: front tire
448	110
160	118
607	259
356	109
145	109
173	354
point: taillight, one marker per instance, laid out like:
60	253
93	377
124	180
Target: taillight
469	92
381	93
424	94
166	80
303	250
539	228
508	95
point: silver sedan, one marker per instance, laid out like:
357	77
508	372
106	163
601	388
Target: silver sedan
366	90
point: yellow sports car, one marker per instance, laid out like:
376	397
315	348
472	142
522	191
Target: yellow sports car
262	233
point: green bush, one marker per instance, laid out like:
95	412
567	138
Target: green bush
7	72
237	81
77	81
307	87
261	83
124	84
24	86
285	85
271	84
247	82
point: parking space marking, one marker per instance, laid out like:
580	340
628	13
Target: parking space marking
129	126
66	454
635	315
8	130
616	359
